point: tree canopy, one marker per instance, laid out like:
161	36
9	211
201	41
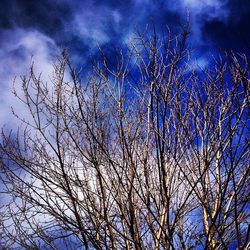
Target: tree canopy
145	151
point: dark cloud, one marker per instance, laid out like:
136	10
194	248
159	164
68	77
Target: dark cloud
46	16
81	24
51	17
234	31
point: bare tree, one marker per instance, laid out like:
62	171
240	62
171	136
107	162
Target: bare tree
146	152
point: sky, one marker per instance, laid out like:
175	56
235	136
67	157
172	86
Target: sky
32	30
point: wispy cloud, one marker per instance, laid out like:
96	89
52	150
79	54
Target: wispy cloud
94	24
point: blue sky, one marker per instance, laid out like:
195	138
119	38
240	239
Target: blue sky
38	30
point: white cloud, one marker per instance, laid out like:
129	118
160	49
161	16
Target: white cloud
91	23
19	47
